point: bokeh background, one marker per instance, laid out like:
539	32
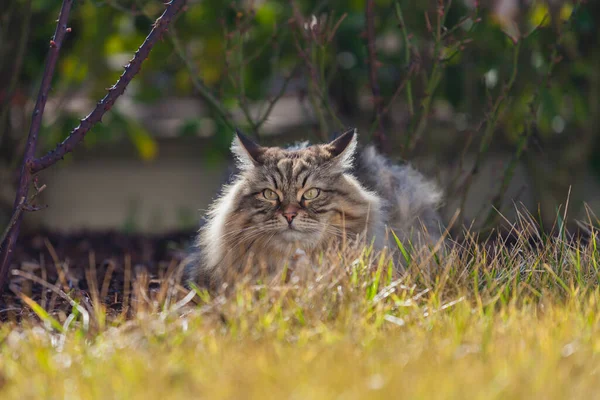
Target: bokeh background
496	100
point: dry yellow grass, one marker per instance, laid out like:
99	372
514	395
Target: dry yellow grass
480	322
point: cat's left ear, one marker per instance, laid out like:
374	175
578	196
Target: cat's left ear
343	148
248	153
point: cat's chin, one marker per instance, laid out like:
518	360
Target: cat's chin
290	236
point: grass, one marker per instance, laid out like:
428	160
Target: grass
474	321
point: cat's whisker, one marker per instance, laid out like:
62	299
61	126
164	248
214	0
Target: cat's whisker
256	233
333	228
243	230
232	236
249	237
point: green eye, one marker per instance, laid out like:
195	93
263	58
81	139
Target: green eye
270	195
311	194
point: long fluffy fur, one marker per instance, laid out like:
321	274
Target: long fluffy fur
377	195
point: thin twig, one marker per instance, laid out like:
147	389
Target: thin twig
405	82
490	125
36	123
373	65
275	99
434	79
24	205
399	15
13	220
317	39
200	87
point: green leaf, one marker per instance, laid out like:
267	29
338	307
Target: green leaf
267	14
143	141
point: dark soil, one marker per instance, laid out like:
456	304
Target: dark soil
113	254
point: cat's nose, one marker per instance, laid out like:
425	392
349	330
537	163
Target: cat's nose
290	216
290	212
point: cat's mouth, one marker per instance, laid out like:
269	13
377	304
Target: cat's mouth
292	234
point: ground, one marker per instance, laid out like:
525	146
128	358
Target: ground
488	320
74	252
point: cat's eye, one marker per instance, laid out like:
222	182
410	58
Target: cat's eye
270	194
311	194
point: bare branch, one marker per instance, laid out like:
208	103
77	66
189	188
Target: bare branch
12	232
23	205
405	83
490	122
315	36
31	165
134	66
200	87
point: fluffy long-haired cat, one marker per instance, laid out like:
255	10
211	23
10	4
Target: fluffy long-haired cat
308	198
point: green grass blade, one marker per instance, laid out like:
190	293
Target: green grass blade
41	313
405	254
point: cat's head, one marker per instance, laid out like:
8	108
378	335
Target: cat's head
299	196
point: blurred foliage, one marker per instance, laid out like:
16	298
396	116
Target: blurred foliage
242	52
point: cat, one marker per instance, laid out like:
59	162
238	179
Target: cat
303	199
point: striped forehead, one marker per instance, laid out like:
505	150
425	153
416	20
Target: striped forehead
291	171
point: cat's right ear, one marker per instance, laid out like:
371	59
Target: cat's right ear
247	153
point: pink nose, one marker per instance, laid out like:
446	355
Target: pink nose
290	212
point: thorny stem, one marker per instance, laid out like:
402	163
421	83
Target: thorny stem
134	66
31	165
8	244
200	87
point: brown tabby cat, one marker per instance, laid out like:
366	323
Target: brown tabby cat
306	198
